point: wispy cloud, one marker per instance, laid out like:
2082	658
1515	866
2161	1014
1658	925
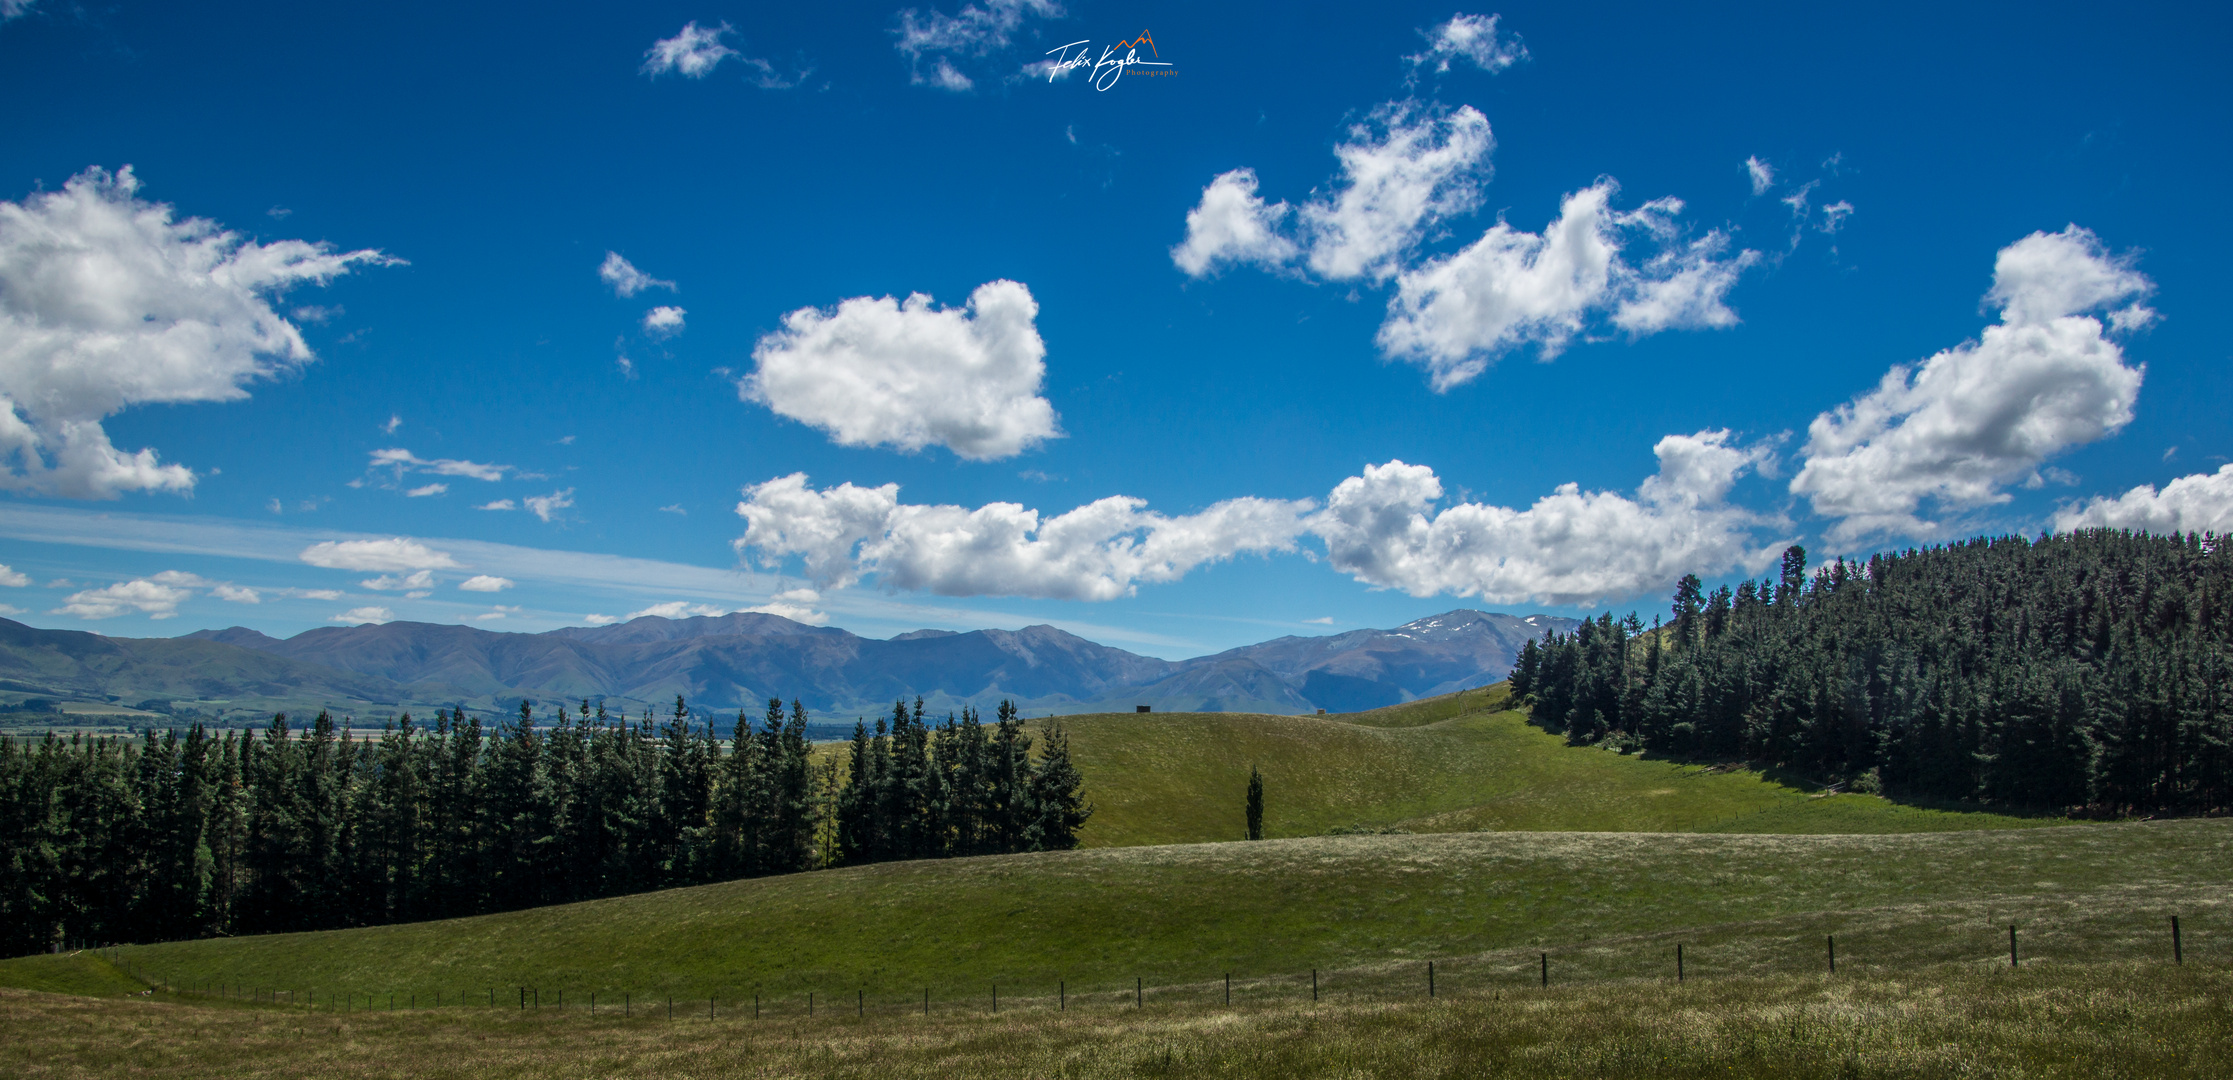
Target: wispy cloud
624	580
403	461
625	279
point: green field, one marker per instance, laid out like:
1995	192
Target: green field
1477	842
2111	1020
1458	763
1366	909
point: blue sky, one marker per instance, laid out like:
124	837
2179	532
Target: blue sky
1344	387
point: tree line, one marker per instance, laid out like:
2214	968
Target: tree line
182	835
2088	671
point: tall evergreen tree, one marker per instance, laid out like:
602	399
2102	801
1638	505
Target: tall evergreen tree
1255	804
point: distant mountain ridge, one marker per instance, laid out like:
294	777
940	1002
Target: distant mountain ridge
738	661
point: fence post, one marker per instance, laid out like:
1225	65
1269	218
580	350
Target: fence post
670	1008
1833	940
1061	996
860	1004
1678	961
1139	996
2012	945
2178	955
996	997
1546	971
1228	988
926	1003
1314	984
1430	978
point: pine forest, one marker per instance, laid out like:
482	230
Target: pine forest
2086	672
177	836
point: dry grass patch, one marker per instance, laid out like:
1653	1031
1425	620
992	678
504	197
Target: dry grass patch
2125	1020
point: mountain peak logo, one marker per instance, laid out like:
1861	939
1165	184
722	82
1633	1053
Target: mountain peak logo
1107	66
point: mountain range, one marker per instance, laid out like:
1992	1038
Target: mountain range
738	661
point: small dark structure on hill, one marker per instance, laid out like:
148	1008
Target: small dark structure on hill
1143	708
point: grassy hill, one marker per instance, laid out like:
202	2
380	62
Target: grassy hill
1518	847
1607	905
1457	763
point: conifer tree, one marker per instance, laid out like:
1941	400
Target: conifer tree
1059	808
1255	804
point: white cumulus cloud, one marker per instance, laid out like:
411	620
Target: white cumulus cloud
1232	224
1570	547
427	489
1964	424
236	594
1472	39
594	619
1402	170
1099	551
546	506
1457	314
373	614
876	371
485	583
156	597
498	504
2202	502
663	321
108	301
13	578
391	555
625	279
693	53
1409	168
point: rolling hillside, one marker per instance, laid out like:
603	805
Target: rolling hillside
1919	902
1361	908
1644	848
1456	763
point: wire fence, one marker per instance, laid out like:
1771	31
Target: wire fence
1772	946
